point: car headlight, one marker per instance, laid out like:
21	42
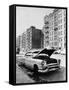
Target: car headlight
43	63
58	61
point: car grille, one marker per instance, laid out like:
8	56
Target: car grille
53	67
51	61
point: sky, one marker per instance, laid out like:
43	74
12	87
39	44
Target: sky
30	16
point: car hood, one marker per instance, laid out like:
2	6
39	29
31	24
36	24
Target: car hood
47	51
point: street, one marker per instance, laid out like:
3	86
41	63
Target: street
24	75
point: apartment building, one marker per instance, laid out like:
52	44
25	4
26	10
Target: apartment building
34	38
56	28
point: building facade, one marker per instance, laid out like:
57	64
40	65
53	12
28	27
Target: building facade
18	42
24	41
46	31
56	28
60	24
34	38
51	30
31	39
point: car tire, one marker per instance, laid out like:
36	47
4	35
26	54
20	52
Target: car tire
35	69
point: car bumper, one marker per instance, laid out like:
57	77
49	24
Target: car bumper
49	68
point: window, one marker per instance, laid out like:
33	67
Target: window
60	15
64	19
46	27
55	29
55	43
64	25
61	33
61	21
47	36
55	38
52	33
61	26
64	32
61	39
64	38
65	45
64	12
46	22
56	23
47	32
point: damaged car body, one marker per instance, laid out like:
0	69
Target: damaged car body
42	62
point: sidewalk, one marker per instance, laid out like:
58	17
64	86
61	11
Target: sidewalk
21	77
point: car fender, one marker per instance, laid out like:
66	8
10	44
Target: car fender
30	62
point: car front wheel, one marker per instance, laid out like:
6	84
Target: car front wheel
35	69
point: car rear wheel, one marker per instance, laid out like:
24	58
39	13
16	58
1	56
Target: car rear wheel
35	69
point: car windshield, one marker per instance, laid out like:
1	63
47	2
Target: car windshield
43	57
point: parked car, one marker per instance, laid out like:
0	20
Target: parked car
41	62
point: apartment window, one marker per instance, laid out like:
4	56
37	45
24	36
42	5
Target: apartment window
64	38
46	27
46	22
64	45
61	27
55	29
55	43
61	33
55	38
47	36
64	12
61	39
47	32
52	43
61	21
64	32
47	41
64	19
56	23
50	38
52	33
59	15
64	25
